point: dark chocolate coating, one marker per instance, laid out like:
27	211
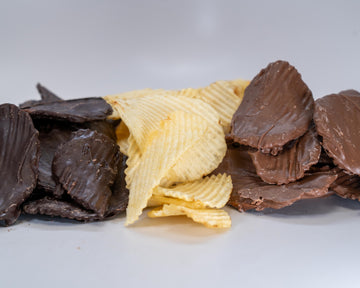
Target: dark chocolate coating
55	207
86	167
250	192
337	119
120	194
49	143
277	107
46	97
347	186
291	163
77	110
19	159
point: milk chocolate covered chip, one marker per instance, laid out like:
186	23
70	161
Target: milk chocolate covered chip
291	163
337	119
277	107
86	167
56	207
19	159
77	110
347	186
250	192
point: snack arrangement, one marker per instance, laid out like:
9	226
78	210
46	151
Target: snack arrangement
251	145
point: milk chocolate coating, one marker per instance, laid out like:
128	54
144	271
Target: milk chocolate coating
46	97
277	107
337	119
77	110
347	186
291	163
250	192
19	159
55	207
86	167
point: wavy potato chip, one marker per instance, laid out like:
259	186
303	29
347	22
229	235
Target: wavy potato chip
212	218
142	115
213	191
176	135
157	200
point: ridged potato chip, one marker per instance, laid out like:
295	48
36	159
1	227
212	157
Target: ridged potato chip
157	200
212	218
213	191
225	97
122	137
177	133
142	115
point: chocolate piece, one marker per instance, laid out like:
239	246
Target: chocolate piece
49	143
78	110
291	163
277	107
19	159
337	120
120	194
347	186
250	192
55	207
86	166
46	97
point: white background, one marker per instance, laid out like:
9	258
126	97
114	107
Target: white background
95	48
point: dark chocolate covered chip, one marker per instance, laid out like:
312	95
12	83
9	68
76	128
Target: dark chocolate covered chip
46	97
337	119
291	163
86	166
56	207
49	143
19	159
277	107
77	110
120	194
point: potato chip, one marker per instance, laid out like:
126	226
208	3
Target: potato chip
157	200
142	115
213	191
177	133
225	97
212	218
122	137
113	99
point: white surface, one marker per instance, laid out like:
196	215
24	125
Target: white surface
87	48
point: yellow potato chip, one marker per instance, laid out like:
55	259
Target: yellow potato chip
212	218
142	115
213	191
157	200
113	99
225	97
122	135
176	134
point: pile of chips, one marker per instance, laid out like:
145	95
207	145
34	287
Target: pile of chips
173	140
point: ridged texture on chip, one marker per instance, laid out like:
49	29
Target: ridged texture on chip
122	137
19	159
177	133
212	218
225	97
142	115
214	191
158	200
86	166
